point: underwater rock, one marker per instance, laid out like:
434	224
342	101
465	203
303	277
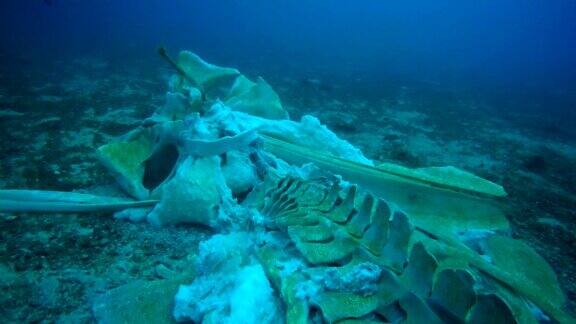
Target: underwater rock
553	223
536	164
138	302
163	272
7	276
116	119
135	215
50	99
9	113
47	293
342	121
48	122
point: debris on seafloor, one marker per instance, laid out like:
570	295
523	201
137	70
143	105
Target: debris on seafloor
307	228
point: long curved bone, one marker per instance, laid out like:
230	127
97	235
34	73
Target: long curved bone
203	148
63	202
432	204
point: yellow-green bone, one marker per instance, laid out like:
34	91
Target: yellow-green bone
452	205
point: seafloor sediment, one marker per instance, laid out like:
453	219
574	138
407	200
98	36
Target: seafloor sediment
51	120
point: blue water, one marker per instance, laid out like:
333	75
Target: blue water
486	86
507	46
